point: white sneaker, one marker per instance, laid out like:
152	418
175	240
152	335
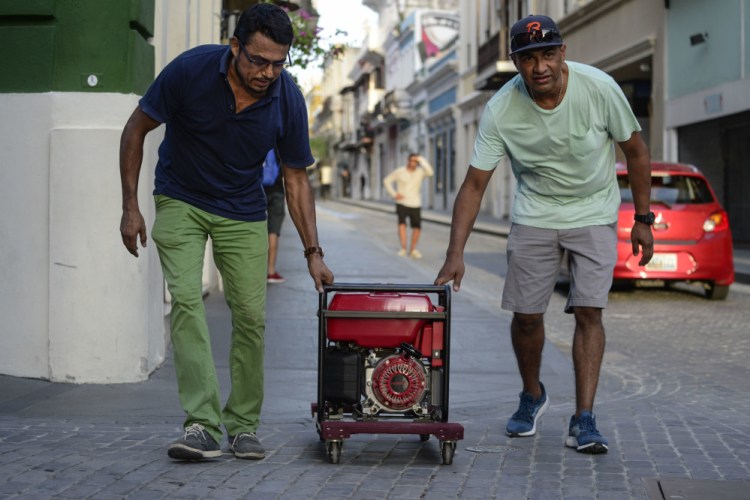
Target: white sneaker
402	252
416	254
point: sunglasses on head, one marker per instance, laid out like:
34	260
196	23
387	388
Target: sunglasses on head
522	40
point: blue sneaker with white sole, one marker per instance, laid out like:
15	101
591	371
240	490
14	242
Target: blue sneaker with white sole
524	420
583	435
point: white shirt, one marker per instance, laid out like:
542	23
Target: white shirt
408	183
326	174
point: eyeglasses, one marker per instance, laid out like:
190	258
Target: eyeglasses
260	63
521	40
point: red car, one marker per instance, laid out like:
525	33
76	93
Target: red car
692	239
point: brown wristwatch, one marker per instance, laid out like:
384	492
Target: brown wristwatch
311	250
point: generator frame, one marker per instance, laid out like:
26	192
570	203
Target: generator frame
332	428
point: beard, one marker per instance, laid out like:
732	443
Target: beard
253	92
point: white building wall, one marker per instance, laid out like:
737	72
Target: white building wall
24	241
105	308
77	307
392	63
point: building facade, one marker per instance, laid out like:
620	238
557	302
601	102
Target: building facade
707	99
681	63
392	110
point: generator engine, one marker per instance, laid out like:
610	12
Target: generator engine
396	383
384	368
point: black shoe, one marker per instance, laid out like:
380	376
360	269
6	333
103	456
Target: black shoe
196	444
246	445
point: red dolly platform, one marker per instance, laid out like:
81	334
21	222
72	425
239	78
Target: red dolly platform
383	364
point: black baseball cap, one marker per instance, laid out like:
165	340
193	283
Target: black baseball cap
534	32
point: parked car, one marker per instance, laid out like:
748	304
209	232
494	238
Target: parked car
692	239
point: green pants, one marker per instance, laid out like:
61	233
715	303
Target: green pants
240	250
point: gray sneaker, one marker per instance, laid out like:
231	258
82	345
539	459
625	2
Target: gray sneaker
246	445
196	444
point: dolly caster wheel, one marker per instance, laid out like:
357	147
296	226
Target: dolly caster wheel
333	448
447	448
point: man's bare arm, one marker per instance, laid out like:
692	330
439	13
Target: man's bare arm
465	211
301	203
639	173
132	225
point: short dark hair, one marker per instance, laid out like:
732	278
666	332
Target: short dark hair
268	19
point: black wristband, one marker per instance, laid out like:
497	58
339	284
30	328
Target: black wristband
647	219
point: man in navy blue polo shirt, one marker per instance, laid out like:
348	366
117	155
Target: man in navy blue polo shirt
224	109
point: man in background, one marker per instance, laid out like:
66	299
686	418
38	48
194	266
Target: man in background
273	185
408	195
326	180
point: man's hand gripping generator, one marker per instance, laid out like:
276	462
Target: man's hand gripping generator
383	362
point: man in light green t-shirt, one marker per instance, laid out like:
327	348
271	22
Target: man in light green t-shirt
557	122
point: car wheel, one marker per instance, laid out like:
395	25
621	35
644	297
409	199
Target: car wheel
717	292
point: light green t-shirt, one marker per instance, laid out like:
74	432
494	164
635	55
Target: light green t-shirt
564	158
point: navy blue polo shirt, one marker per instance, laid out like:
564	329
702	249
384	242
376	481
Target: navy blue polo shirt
212	157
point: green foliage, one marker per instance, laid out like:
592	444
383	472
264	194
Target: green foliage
309	44
319	146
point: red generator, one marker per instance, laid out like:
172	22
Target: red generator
383	364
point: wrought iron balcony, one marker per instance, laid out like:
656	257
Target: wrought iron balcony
494	68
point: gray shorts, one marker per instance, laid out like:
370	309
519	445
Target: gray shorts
534	259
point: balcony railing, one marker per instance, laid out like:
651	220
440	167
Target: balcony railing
493	50
488	53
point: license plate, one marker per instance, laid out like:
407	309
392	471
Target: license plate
663	262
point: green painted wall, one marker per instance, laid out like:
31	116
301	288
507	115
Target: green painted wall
76	45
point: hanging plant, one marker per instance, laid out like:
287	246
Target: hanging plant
309	45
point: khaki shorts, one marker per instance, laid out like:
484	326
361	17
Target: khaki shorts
534	259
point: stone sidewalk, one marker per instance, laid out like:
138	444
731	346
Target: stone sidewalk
86	441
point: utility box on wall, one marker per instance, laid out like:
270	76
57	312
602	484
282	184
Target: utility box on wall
86	45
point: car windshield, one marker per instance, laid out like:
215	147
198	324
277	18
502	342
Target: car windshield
671	189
